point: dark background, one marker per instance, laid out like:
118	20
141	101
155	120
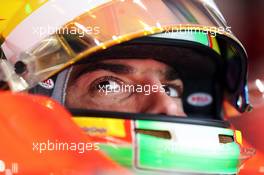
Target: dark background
246	17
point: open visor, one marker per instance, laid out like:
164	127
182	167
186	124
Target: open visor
188	72
114	22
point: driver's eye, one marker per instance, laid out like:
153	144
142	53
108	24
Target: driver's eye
108	85
108	88
172	91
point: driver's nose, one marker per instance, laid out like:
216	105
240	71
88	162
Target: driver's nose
160	103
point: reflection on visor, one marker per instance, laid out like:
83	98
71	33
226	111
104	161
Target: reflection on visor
146	78
110	24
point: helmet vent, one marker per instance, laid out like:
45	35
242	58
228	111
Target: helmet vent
155	133
225	138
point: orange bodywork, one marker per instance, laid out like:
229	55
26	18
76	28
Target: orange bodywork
27	119
251	124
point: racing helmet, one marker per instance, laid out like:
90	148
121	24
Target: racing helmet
43	48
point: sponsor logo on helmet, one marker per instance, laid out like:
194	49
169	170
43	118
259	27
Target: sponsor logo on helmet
200	99
95	130
47	84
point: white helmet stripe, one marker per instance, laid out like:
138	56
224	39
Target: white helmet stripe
42	22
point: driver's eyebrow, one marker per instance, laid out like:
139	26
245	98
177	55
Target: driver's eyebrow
112	67
171	74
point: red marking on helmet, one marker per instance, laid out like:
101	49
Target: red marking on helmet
47	84
48	81
199	99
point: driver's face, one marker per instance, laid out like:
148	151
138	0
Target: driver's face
126	85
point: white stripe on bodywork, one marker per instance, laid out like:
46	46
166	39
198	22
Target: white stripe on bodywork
51	15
